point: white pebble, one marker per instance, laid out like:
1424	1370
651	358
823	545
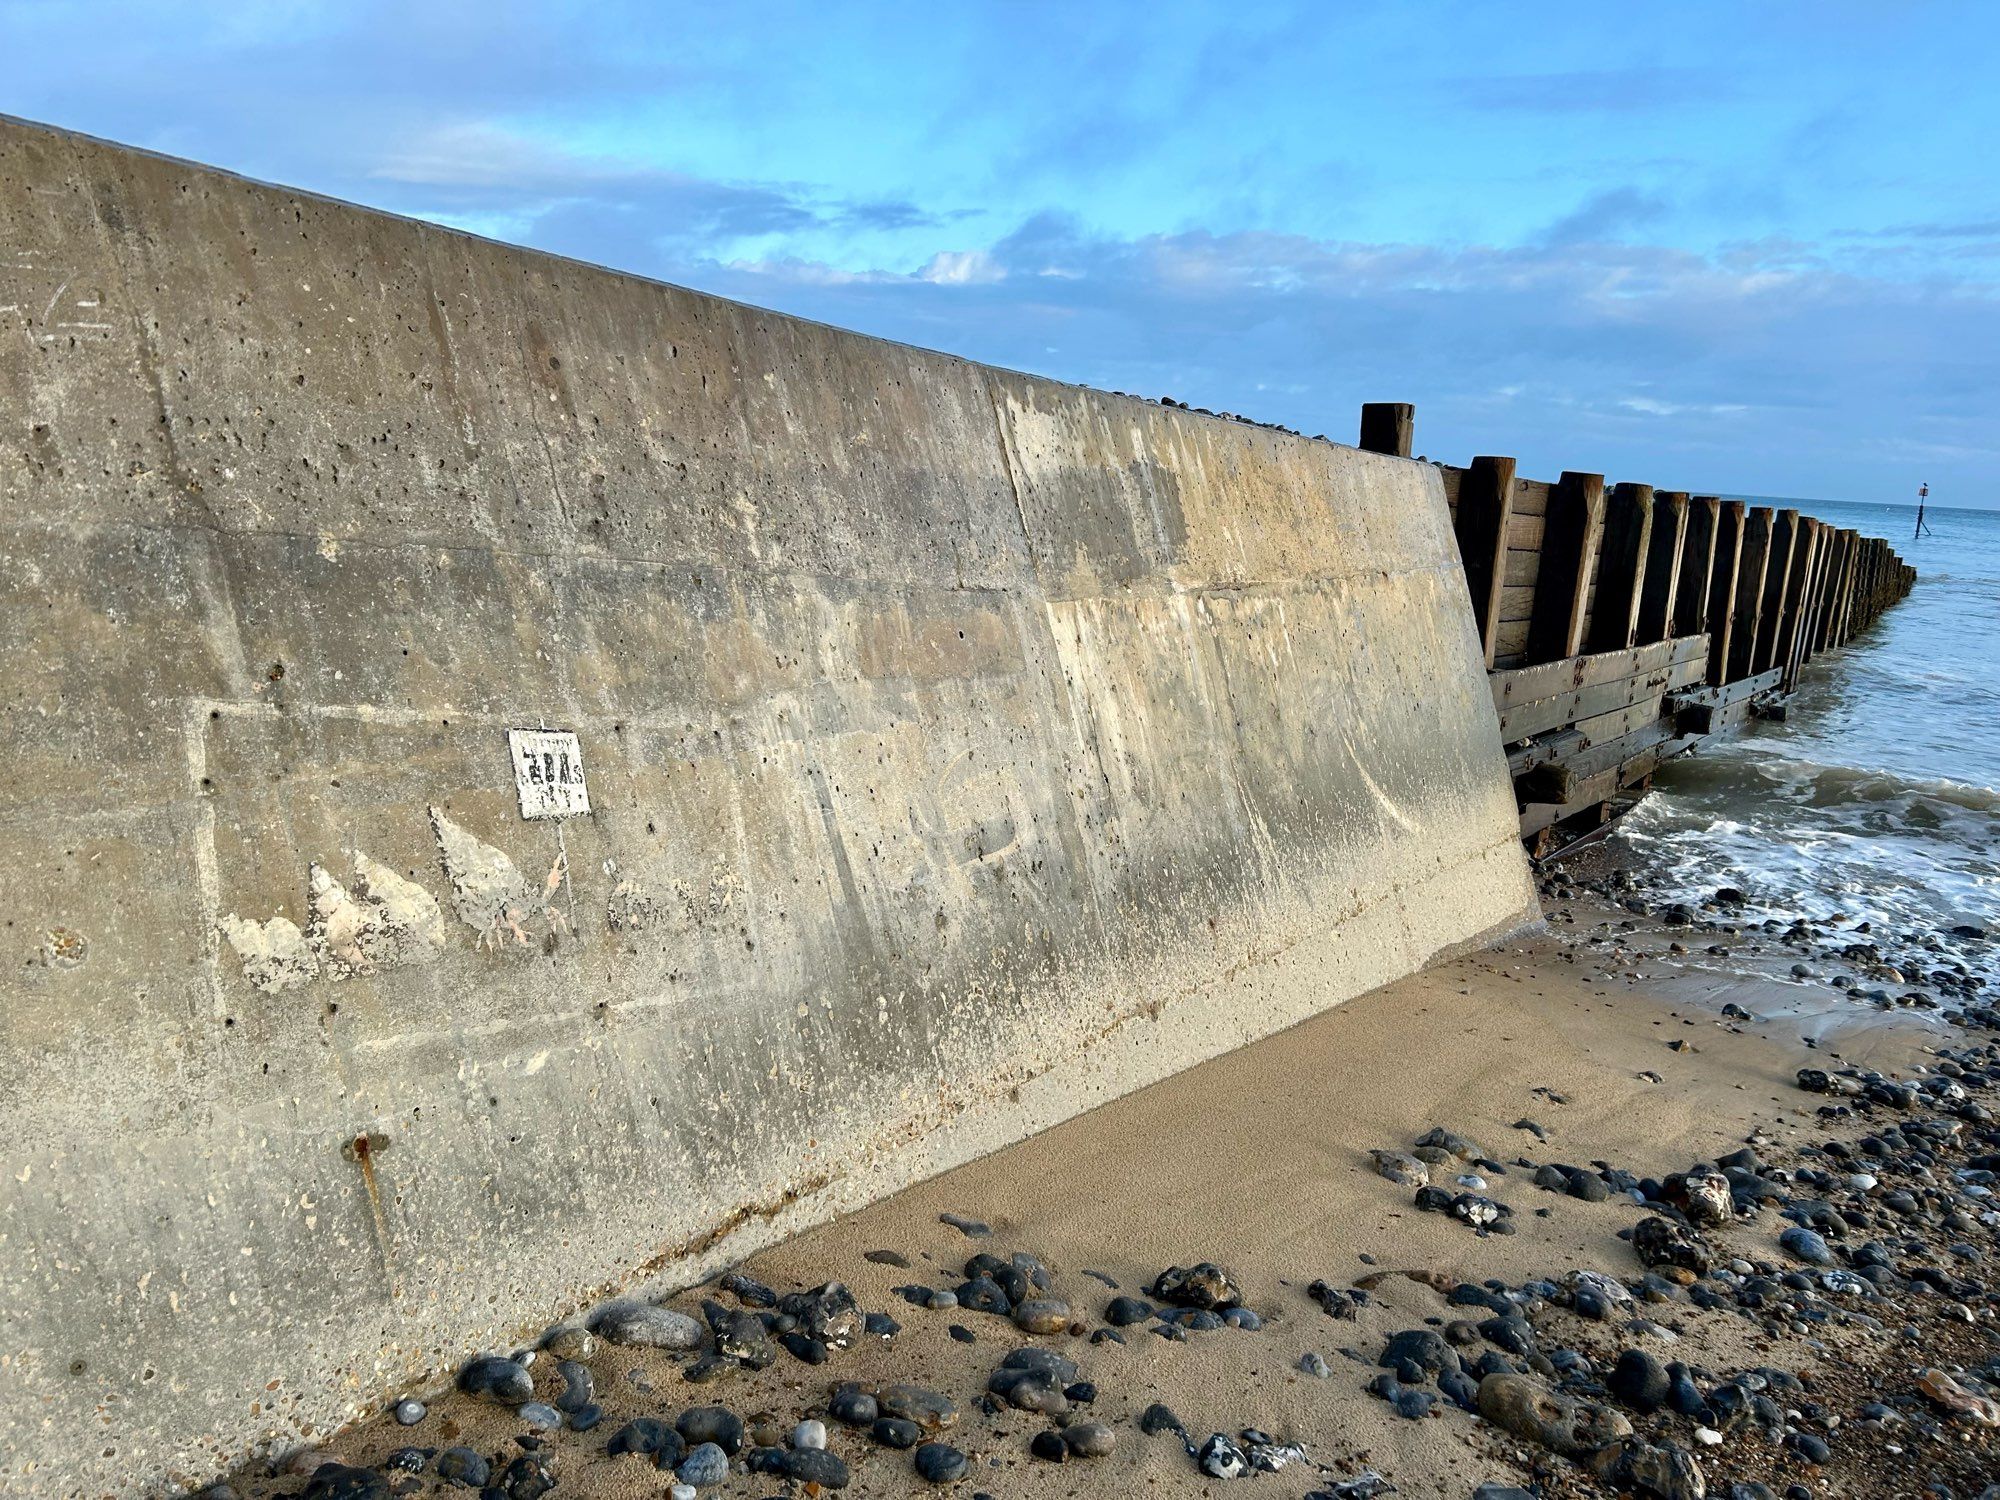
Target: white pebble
1708	1437
809	1435
682	1491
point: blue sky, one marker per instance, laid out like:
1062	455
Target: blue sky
1749	247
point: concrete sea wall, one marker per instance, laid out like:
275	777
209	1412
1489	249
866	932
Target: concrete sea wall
961	749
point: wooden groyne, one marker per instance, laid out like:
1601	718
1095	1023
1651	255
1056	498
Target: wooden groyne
1624	625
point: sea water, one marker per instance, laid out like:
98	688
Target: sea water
1878	797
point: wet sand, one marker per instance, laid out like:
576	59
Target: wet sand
1259	1161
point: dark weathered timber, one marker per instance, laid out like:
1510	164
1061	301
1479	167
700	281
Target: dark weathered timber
1388	427
1621	570
1799	605
1723	572
1752	567
1659	588
1570	539
1777	579
1485	509
1520	686
1697	564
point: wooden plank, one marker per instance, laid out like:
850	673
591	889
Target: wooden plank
1485	502
1722	576
1537	816
1621	567
1523	718
1527	684
1531	497
1517	603
1747	609
1522	566
1569	556
1697	562
1524	533
1563	746
1512	644
1579	705
1663	566
1561	781
1721	695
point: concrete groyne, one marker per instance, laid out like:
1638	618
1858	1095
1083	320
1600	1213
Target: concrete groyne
524	780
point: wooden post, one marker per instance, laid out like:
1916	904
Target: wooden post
1621	573
1798	601
1722	589
1657	595
1571	536
1388	427
1823	615
1753	563
1843	599
1777	589
1485	508
1704	529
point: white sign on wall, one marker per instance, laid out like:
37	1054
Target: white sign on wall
548	773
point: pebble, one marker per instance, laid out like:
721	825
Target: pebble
1123	1312
1530	1410
972	1229
1159	1418
895	1432
332	1481
940	1463
679	1491
706	1466
1048	1446
1400	1167
1640	1381
1806	1245
410	1411
809	1434
579	1387
501	1381
650	1327
1204	1286
540	1416
1042	1315
1314	1365
915	1403
887	1258
816	1466
647	1436
1090	1439
1221	1459
855	1407
462	1466
711	1426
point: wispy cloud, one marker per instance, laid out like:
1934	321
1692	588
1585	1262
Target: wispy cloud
1627	90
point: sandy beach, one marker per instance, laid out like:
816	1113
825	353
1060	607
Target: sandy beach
1596	1030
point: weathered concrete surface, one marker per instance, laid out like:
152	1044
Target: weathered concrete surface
964	750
